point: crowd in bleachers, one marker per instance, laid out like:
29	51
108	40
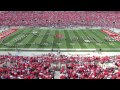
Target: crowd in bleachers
60	18
19	67
70	67
91	68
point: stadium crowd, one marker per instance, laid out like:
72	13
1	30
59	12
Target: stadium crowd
70	67
60	18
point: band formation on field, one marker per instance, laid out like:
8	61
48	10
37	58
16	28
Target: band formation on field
37	39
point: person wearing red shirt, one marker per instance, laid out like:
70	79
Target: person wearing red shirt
62	77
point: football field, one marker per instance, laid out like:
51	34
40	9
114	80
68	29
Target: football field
37	38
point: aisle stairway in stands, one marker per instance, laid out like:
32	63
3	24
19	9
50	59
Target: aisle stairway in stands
57	75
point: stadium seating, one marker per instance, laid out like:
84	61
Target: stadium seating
43	67
61	19
70	67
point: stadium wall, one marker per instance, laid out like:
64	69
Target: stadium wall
26	53
68	28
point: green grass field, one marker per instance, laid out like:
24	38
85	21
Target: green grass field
72	39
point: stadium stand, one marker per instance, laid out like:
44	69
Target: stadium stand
70	67
56	18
